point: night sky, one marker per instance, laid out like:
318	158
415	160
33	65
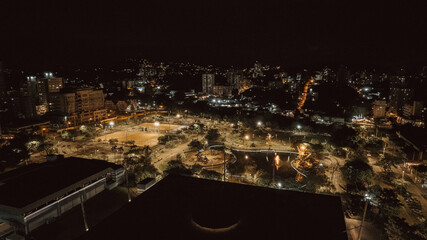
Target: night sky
291	33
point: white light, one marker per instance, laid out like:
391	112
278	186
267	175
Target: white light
279	184
156	124
178	116
299	126
259	123
111	124
321	164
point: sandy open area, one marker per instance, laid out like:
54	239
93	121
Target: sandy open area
161	127
140	137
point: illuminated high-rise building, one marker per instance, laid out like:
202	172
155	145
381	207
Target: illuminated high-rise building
208	83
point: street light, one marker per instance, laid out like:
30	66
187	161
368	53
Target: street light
245	138
367	198
299	127
259	123
157	124
111	124
178	116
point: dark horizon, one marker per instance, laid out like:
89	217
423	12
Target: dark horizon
384	34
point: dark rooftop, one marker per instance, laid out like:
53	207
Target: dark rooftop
190	208
23	186
146	180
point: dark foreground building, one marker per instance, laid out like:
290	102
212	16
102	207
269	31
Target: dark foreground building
190	208
37	194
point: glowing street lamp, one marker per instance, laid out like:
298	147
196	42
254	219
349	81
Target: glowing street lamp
157	124
245	138
111	124
246	157
178	115
259	123
299	127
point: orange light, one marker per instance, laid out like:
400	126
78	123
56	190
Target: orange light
277	161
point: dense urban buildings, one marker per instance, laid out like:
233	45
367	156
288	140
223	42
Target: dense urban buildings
276	119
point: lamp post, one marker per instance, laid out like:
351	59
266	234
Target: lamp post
367	198
157	124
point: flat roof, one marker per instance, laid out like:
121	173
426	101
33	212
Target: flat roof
146	180
181	207
26	185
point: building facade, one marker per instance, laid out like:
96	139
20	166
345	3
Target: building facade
379	109
398	98
208	83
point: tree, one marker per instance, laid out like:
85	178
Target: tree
343	137
387	161
262	178
180	156
14	152
145	171
359	155
352	201
67	135
397	228
113	141
358	173
389	203
212	135
195	144
138	155
209	174
177	167
196	168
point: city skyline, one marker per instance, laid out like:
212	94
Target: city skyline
213	120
